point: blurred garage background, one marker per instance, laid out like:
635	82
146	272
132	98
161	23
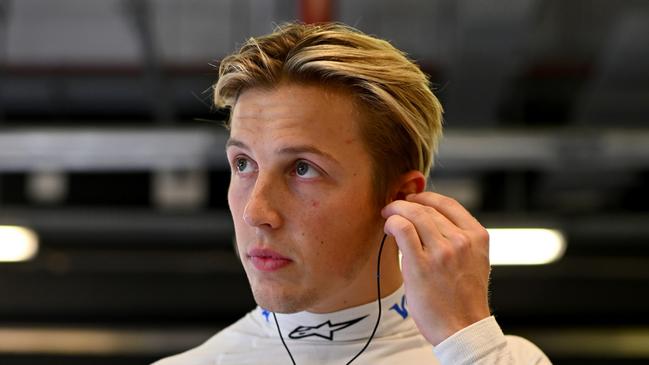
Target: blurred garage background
112	155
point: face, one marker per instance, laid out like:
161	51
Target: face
300	195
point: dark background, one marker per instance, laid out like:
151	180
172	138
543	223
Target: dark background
111	151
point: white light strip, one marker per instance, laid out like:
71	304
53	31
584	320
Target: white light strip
525	246
17	244
100	341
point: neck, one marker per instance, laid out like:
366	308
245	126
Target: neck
350	324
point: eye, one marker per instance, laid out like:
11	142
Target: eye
242	165
305	170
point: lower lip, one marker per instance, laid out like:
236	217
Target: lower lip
268	263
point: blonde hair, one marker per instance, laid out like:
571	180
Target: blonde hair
403	118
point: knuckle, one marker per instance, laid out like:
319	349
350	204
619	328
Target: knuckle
445	255
447	201
400	225
428	210
483	235
404	227
461	240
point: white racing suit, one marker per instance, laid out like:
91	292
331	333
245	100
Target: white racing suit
335	338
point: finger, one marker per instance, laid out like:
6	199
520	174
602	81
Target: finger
464	231
431	225
405	234
448	207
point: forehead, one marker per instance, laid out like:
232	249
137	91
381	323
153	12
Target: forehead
300	97
310	110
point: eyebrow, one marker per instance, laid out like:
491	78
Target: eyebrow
236	143
292	150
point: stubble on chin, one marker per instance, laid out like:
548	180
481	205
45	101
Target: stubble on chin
283	300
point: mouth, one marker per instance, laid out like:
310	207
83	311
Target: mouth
267	260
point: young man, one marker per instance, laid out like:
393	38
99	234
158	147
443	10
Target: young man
332	135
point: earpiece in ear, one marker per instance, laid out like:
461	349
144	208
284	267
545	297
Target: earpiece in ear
400	196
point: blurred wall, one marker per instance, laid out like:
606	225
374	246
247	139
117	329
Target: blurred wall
111	151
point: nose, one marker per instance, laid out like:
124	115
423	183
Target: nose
260	209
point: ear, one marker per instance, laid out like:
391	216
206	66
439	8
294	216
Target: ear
411	182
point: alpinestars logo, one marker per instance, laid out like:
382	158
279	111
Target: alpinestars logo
325	330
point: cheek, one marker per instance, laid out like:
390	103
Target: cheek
329	229
237	198
237	191
333	215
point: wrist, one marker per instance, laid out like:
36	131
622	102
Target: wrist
471	343
450	328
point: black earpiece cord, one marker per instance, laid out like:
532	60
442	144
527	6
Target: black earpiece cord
378	319
282	338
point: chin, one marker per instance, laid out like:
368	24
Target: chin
280	300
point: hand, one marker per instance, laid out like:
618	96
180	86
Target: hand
445	262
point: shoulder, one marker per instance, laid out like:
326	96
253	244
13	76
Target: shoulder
230	339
